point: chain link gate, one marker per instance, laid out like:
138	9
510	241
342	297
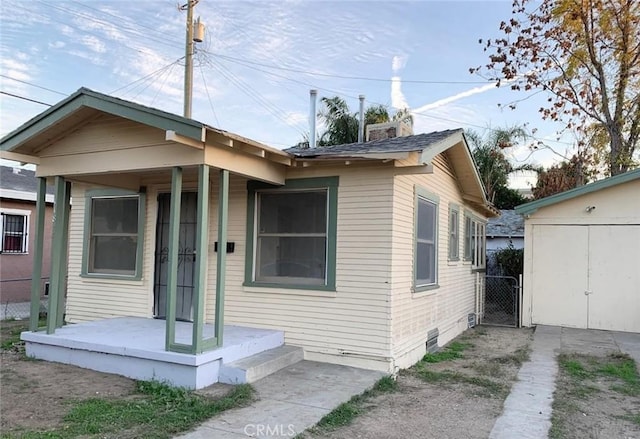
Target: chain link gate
502	301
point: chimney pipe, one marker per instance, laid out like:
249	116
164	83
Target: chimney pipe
312	119
361	122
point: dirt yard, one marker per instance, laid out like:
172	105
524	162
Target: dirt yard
34	395
458	395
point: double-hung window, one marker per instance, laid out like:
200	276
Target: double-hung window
113	235
426	240
454	233
293	234
474	242
14	231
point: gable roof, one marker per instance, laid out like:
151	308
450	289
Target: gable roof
529	208
427	146
509	224
66	113
418	142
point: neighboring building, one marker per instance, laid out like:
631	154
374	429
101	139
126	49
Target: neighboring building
505	230
18	189
582	253
358	253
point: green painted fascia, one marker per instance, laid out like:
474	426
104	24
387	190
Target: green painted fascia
420	192
95	193
108	104
332	229
533	206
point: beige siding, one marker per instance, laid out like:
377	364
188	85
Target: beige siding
92	298
447	307
350	325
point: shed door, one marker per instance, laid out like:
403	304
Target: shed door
560	257
614	278
587	276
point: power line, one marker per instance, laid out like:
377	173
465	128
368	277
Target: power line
34	85
330	75
209	96
148	76
25	98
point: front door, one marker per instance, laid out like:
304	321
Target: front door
186	256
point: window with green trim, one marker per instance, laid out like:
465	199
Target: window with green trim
474	242
114	227
426	248
294	234
454	233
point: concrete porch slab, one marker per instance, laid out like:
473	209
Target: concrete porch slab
135	347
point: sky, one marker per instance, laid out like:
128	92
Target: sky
259	59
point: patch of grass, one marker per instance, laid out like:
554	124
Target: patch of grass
490	368
489	387
346	412
574	367
452	351
156	410
518	358
633	418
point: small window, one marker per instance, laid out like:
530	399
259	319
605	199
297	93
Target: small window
474	242
426	254
14	233
114	235
454	235
292	232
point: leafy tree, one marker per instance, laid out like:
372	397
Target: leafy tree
494	167
586	55
341	125
564	176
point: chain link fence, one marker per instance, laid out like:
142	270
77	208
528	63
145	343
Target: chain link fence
15	298
502	301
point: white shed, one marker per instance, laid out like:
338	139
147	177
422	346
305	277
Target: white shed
582	256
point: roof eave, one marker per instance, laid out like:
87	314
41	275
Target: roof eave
533	206
108	104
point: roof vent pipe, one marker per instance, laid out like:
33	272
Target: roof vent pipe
361	121
312	119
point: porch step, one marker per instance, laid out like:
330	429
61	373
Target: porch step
250	369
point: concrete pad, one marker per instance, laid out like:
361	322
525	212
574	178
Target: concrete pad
290	401
629	343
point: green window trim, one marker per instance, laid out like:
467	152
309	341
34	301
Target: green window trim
475	247
328	183
421	193
454	232
90	195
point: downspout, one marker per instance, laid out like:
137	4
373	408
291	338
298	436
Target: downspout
361	121
312	119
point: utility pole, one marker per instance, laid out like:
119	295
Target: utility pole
188	65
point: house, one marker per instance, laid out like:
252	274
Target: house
354	254
582	249
17	220
505	230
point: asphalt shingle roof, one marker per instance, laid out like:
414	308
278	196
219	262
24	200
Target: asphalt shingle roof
22	180
509	223
418	142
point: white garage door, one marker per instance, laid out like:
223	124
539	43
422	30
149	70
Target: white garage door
587	276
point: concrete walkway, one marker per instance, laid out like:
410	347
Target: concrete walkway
289	401
527	409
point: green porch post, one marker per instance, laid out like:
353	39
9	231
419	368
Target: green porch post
172	273
65	255
58	250
221	267
38	243
202	252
